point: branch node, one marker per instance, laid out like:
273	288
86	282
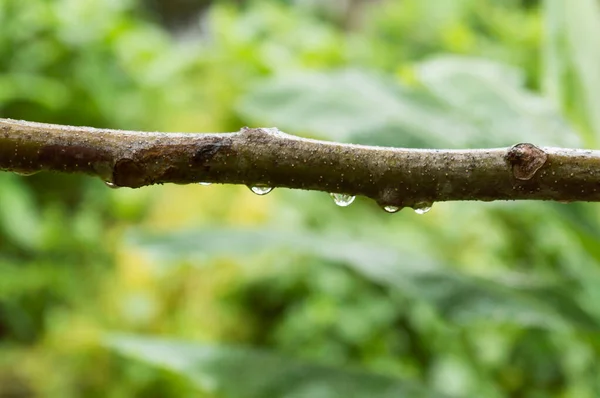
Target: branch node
127	173
206	151
525	159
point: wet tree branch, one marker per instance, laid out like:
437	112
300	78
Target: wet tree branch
258	156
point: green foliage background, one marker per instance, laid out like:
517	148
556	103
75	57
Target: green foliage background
176	291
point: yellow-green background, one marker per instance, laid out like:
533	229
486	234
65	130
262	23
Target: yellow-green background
487	299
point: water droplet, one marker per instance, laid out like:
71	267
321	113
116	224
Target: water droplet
111	185
261	189
25	173
342	199
205	183
391	209
422	207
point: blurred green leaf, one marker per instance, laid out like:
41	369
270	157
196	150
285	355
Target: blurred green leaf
572	56
352	105
471	102
250	373
47	92
556	64
491	95
19	217
459	297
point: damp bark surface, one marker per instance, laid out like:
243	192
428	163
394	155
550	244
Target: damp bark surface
265	156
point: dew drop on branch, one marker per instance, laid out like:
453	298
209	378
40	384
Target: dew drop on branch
205	183
261	189
25	173
111	185
422	207
342	199
391	209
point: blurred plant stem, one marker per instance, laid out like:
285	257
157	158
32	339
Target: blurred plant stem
267	157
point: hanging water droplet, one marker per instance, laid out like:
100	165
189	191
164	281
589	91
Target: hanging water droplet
391	209
25	173
261	189
205	183
422	207
342	199
111	185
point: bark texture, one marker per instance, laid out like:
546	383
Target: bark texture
395	177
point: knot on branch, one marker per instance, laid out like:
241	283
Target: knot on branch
208	149
525	160
265	134
127	173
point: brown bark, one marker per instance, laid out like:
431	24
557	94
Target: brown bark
265	156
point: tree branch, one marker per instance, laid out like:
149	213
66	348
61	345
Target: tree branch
393	177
